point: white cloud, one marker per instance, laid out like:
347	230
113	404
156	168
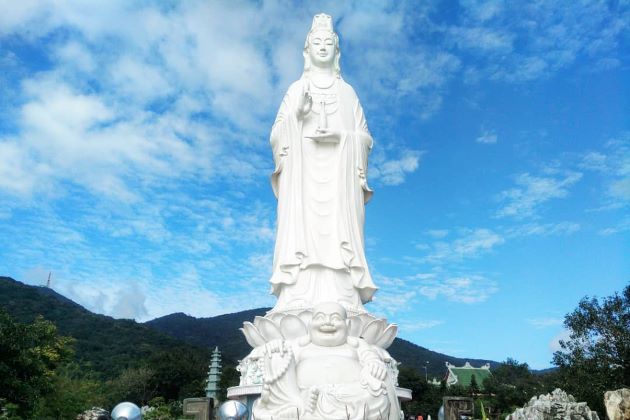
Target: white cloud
68	136
136	117
466	289
532	191
129	303
546	229
119	298
438	233
393	171
622	226
620	189
554	344
17	177
483	11
389	301
613	165
16	14
595	161
545	322
471	244
529	41
482	39
96	255
411	325
142	298
479	240
396	65
76	56
487	137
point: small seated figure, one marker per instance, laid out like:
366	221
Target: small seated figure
326	375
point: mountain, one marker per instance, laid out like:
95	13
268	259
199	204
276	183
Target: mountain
223	331
110	345
106	344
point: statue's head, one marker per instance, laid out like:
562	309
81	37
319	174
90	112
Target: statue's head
329	325
321	48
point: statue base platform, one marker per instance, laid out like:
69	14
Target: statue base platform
247	393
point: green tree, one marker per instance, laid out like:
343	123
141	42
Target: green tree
29	355
161	410
427	398
229	377
179	374
596	356
75	392
473	388
510	386
133	384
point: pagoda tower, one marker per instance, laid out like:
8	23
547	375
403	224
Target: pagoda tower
214	375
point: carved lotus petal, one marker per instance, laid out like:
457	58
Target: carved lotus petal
373	330
252	335
292	327
306	317
356	326
366	318
387	337
267	328
275	317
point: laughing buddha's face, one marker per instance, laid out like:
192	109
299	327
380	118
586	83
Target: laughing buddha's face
329	327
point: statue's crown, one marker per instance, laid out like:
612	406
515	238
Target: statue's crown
322	21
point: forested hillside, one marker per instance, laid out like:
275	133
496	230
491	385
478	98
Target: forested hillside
104	344
223	331
110	345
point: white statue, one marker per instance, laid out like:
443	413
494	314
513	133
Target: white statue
321	143
326	374
318	355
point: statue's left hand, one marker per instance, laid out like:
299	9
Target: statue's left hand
325	135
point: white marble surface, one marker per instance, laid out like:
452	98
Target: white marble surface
326	374
318	354
320	143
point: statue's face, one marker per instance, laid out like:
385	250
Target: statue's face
328	327
321	48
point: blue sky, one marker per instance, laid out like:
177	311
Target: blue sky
134	157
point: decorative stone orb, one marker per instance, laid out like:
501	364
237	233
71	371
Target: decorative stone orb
126	411
232	410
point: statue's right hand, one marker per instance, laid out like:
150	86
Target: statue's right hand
305	103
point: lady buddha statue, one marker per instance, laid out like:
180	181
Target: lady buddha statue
320	144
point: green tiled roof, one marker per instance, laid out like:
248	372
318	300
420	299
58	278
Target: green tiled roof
464	375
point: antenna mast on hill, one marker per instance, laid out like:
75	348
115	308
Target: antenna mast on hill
48	281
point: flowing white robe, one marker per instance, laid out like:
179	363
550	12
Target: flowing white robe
321	215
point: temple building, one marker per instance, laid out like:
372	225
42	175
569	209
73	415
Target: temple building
463	375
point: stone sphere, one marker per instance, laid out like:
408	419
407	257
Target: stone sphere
126	411
232	410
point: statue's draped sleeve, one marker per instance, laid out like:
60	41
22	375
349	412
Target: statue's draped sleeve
365	143
279	139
